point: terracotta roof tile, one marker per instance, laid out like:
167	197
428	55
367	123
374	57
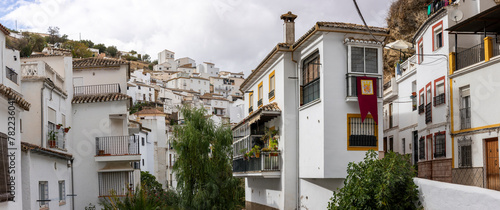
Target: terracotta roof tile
211	97
97	62
31	147
4	30
100	98
149	111
8	93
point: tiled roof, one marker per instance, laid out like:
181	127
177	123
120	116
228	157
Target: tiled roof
272	107
188	65
211	97
100	98
149	111
8	93
31	147
45	55
4	30
97	62
182	90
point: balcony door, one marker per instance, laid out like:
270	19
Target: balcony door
492	170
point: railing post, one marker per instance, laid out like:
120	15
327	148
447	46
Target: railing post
96	145
452	60
488	48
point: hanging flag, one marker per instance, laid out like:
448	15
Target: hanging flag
367	97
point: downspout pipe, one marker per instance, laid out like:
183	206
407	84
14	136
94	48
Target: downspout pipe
72	186
41	114
297	100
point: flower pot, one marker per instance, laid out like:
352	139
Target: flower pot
101	152
58	126
274	154
66	130
52	143
257	155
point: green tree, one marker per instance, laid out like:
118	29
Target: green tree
88	43
133	52
78	49
28	44
203	168
146	58
53	34
100	47
112	51
378	184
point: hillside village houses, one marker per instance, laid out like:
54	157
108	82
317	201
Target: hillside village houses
318	132
438	106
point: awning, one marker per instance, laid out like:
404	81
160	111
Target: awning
263	114
487	21
119	166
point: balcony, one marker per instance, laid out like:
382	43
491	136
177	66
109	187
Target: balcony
439	99
250	110
390	89
97	89
436	5
421	109
11	74
42	69
268	165
259	103
271	94
465	116
117	183
428	113
55	137
117	148
470	56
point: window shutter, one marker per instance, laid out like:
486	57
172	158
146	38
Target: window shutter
51	115
4	173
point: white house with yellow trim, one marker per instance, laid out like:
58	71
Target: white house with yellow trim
305	91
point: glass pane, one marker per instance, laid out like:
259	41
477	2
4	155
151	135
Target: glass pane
357	59
371	60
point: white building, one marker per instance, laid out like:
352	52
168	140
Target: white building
12	105
45	143
141	92
197	84
146	145
155	120
166	61
185	62
307	98
418	103
236	111
105	154
208	68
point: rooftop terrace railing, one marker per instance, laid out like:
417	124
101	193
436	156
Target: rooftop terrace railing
470	56
97	89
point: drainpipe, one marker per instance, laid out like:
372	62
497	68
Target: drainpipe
297	127
41	112
72	186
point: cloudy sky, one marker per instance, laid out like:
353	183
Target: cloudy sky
234	34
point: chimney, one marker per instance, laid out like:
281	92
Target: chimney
288	27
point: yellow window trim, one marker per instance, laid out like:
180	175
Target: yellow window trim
258	93
353	148
274	78
250	99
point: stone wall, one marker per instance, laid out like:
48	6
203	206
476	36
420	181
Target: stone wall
439	170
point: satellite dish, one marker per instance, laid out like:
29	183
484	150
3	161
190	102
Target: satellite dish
456	15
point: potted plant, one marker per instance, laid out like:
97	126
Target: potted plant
58	126
101	152
250	153
52	139
256	151
66	130
245	156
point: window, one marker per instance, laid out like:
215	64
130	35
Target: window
439	91
310	79
11	74
403	143
429	147
437	35
465	104
271	86
62	192
421	108
428	106
464	152
391	123
439	145
4	169
43	194
414	95
143	142
250	102
420	51
364	60
421	148
361	135
260	95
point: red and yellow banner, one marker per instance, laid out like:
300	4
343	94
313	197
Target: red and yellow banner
367	97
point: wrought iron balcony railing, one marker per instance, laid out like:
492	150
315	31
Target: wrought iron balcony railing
97	89
267	161
421	109
439	99
271	94
428	113
259	103
117	145
470	56
250	109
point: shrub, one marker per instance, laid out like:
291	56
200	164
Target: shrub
378	184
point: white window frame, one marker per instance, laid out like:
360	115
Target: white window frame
349	63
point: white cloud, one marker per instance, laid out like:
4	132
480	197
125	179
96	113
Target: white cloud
233	34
